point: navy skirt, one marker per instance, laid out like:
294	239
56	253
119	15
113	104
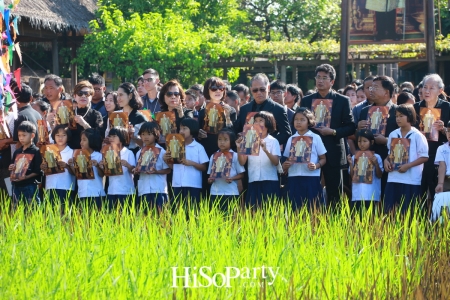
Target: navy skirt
152	200
400	194
304	190
259	192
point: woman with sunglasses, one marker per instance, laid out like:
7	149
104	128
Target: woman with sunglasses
130	102
85	116
214	92
171	98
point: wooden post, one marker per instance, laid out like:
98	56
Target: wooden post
276	69
283	73
55	56
294	75
344	43
73	67
225	73
431	47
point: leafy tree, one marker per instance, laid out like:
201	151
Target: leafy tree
293	20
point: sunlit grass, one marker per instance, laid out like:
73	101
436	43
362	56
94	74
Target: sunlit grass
119	254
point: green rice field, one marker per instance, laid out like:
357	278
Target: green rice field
203	253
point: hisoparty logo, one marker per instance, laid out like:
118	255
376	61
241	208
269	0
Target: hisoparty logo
205	276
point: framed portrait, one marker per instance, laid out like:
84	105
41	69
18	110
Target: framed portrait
176	146
399	152
251	141
111	160
250	118
300	152
82	164
427	118
377	119
167	123
147	159
64	114
363	167
51	155
214	118
118	119
221	165
21	164
322	111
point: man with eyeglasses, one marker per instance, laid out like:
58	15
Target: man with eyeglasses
278	90
381	93
262	102
151	81
98	98
341	126
367	84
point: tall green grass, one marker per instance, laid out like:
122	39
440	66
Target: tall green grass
126	254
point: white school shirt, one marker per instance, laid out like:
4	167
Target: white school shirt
443	154
418	148
318	148
123	184
220	186
260	167
153	183
62	181
366	191
92	187
188	176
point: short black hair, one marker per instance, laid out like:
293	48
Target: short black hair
151	127
140	78
233	95
231	135
408	111
43	106
55	78
278	85
150	71
97	79
26	126
25	94
307	113
192	124
387	83
122	133
327	69
269	120
242	88
405	96
365	133
369	78
64	128
94	138
197	87
193	93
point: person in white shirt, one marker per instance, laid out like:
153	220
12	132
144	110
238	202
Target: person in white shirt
404	183
442	197
262	170
363	194
60	187
303	186
187	176
224	189
91	190
152	185
121	187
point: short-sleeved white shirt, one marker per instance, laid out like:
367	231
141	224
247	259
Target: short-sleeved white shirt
366	191
123	184
220	186
443	154
318	148
92	187
188	176
62	181
153	183
418	148
260	167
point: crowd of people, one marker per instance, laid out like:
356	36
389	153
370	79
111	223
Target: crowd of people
371	136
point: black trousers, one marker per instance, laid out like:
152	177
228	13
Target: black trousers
333	183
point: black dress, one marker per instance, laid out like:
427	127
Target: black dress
92	117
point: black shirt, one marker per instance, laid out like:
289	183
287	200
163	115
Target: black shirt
210	142
34	167
136	117
92	117
26	113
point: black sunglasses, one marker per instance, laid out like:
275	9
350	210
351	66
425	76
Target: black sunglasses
170	94
85	93
215	88
262	90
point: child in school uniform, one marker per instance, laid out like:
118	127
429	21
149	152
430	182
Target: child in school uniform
60	187
223	190
152	186
443	160
363	194
303	186
26	187
404	179
262	169
187	176
120	187
91	190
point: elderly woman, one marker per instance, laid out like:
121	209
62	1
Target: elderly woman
433	87
85	116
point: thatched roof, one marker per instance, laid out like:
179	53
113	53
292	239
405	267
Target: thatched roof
57	15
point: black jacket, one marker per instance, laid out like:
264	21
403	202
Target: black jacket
341	121
283	131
